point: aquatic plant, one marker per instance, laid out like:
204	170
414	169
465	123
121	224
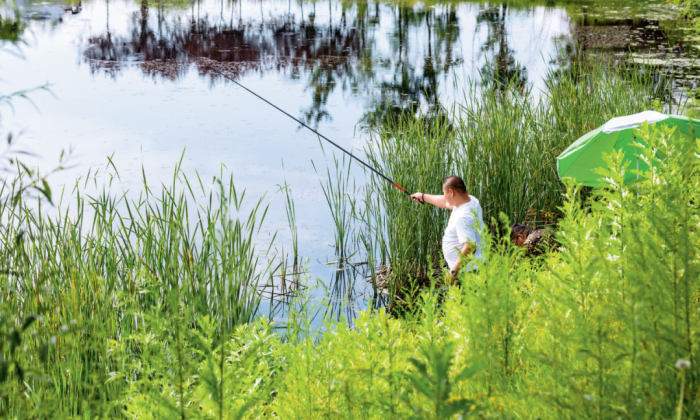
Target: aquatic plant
603	328
133	308
341	203
121	289
503	140
152	314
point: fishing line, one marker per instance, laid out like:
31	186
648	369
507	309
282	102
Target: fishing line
195	58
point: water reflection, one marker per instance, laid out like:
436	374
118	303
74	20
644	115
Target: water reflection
393	55
11	28
642	33
503	68
339	53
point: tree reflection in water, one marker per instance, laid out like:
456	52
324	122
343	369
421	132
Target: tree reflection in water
502	68
424	45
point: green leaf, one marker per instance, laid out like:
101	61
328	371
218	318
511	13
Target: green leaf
469	371
20	372
29	321
19	236
46	190
210	381
43	352
3	371
15	340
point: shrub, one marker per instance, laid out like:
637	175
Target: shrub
605	328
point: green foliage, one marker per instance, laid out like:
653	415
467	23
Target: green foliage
147	308
432	380
201	376
691	8
503	141
146	294
605	328
11	27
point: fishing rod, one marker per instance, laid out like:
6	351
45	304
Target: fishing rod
285	113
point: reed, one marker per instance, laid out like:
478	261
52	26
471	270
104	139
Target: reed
417	155
148	307
340	196
290	212
503	140
605	328
105	276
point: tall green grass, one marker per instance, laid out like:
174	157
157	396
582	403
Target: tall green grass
127	294
417	156
503	140
341	201
606	328
147	308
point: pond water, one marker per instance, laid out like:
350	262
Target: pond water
124	84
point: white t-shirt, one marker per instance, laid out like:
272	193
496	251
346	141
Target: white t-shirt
465	224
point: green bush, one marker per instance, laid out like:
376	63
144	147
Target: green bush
503	141
605	328
134	302
690	8
598	330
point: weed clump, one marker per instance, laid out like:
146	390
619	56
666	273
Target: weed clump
503	140
606	327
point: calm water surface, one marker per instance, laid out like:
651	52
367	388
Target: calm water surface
122	87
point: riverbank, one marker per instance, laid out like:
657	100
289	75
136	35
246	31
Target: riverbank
606	325
173	300
152	306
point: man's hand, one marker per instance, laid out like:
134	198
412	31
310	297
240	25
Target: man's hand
468	251
435	200
453	278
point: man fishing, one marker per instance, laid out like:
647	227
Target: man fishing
463	231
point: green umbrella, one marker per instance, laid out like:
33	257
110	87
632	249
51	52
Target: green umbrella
580	159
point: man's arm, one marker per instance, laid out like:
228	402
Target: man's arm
466	250
435	200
